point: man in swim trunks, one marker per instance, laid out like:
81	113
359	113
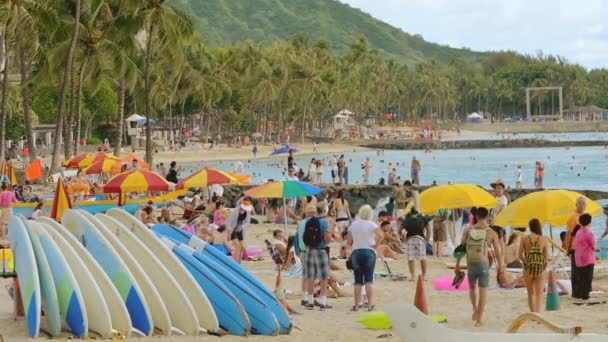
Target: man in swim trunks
415	170
478	272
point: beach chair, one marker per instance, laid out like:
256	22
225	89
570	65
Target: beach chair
391	275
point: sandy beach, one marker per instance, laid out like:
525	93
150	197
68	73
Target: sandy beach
339	324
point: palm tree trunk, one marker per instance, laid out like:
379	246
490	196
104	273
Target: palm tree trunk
4	105
68	121
304	122
25	94
62	91
121	114
147	86
83	68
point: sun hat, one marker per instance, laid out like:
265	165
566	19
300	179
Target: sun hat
498	182
246	205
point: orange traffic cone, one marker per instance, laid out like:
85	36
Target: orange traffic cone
552	294
420	297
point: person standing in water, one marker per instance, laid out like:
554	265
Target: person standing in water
341	169
415	171
367	167
477	240
534	251
519	177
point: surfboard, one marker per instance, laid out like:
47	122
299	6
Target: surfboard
230	265
119	316
98	314
181	312
204	311
602	252
158	311
27	273
263	321
115	268
50	302
71	302
231	315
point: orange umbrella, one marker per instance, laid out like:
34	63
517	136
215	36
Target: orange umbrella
140	163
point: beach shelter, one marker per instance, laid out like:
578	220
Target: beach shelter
135	181
284	189
455	196
205	178
112	166
553	207
284	150
61	201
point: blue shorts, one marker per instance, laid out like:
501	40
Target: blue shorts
478	274
364	262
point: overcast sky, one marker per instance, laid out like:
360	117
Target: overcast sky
577	30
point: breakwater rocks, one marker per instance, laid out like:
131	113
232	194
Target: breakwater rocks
359	195
472	144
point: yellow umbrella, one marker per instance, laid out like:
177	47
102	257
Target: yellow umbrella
549	206
455	196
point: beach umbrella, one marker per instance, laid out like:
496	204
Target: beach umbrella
140	163
61	201
135	181
103	166
455	196
553	207
206	177
283	150
284	189
84	160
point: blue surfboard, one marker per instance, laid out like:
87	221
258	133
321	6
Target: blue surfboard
263	321
231	315
235	269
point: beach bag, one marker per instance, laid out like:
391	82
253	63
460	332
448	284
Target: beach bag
535	259
477	247
312	232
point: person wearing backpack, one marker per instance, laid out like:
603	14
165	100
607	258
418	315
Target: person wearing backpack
534	252
316	237
477	239
300	249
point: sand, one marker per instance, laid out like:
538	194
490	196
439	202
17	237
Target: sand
339	324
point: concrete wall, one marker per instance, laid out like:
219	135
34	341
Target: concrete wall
539	127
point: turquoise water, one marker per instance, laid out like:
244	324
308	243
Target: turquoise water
579	136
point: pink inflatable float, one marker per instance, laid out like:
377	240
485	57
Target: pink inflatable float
252	252
445	284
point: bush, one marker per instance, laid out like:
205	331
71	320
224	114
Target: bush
106	131
94	141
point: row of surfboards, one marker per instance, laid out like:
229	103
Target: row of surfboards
109	276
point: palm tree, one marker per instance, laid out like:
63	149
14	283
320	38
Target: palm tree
63	89
166	27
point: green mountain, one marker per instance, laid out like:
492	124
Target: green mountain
265	21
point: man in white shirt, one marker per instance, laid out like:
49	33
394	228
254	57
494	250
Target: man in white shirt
499	193
518	177
333	165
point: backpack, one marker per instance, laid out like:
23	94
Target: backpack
312	232
477	247
535	259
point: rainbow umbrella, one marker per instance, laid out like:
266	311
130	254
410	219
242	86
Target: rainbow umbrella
205	178
284	189
103	166
61	201
135	181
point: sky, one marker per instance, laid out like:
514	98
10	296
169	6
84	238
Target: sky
576	30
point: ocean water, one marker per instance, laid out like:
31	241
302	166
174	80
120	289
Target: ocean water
578	136
582	168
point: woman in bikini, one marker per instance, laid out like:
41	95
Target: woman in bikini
341	211
534	252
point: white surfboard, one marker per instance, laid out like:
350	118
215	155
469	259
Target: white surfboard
121	321
158	310
200	302
71	302
98	314
111	262
50	302
183	316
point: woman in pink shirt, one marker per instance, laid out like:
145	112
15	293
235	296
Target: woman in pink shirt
7	199
585	247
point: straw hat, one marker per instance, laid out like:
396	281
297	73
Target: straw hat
498	182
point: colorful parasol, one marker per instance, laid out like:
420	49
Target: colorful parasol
455	196
140	163
103	166
283	189
84	160
136	181
205	178
61	201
